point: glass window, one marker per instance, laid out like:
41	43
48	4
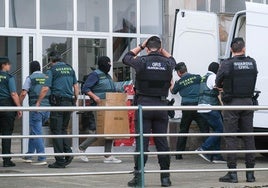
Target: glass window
2	13
22	13
151	22
234	6
201	5
215	6
63	45
12	47
56	14
93	15
120	47
89	50
124	16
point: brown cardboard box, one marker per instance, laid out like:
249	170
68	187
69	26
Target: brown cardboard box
113	122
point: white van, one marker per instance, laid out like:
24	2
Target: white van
196	42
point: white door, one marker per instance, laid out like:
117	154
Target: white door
256	47
195	41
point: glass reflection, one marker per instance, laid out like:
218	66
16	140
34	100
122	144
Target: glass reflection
120	47
93	15
2	13
124	16
56	14
61	44
22	13
89	51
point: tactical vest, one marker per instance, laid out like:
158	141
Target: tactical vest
62	80
4	88
105	84
207	95
241	80
37	82
154	77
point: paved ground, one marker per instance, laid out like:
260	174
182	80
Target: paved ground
192	180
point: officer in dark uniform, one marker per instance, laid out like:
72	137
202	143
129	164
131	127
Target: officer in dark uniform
153	78
8	97
64	92
237	78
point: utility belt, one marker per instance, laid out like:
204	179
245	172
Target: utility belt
7	102
159	98
56	100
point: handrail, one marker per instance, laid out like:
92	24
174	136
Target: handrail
140	136
145	108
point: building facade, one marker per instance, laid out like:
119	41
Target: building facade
83	30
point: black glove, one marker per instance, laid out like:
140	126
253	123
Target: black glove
171	113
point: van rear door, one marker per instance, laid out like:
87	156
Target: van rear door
256	47
195	41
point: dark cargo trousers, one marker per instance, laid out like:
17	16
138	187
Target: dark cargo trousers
186	120
153	122
239	121
6	127
59	124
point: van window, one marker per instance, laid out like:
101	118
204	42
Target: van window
240	28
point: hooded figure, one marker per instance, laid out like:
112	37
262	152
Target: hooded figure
104	64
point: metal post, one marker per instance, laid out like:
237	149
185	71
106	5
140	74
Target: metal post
141	161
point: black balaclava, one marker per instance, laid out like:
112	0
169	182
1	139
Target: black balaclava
104	64
34	66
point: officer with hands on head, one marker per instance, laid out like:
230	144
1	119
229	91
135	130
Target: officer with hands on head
153	80
237	78
8	97
63	85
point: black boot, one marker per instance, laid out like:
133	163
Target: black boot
250	176
165	181
8	163
230	177
135	182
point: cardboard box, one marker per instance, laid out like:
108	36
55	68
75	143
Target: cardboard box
113	122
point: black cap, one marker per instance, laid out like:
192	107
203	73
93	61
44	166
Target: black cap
4	60
34	66
213	67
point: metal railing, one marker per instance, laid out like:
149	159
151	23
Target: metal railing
139	136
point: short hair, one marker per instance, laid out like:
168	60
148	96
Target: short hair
34	66
3	61
54	56
181	67
213	67
153	42
237	44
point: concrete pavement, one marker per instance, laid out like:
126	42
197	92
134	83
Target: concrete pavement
191	180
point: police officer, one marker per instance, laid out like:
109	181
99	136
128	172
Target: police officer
237	78
32	86
153	78
97	84
8	97
188	87
64	92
